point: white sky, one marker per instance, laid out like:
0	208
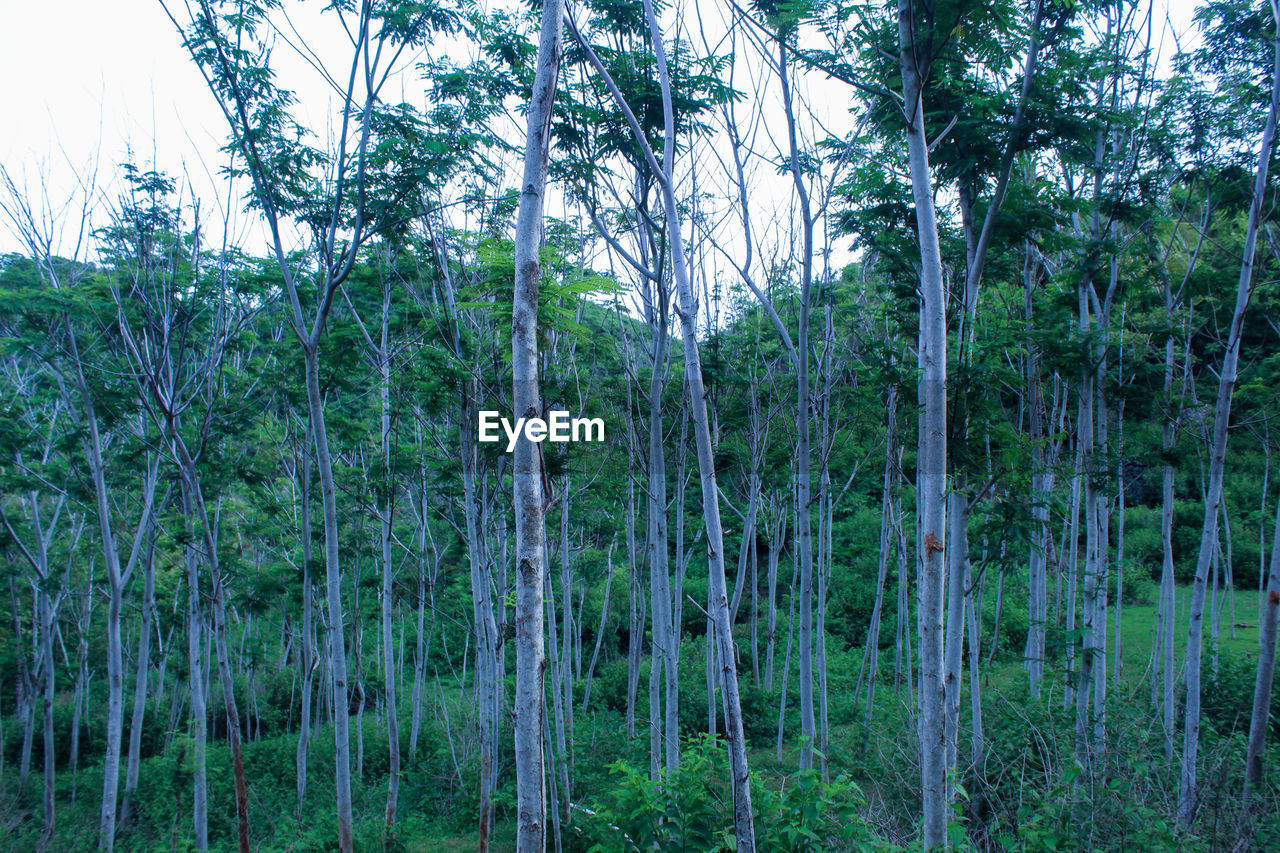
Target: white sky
87	82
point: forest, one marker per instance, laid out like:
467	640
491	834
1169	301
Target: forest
934	347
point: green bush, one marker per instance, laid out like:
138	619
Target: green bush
692	809
1226	701
689	810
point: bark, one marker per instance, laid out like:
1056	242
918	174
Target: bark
1089	580
635	599
786	658
82	678
775	544
932	453
1119	646
199	712
530	712
656	532
1041	487
24	688
661	749
426	600
310	660
1073	577
333	596
385	510
47	616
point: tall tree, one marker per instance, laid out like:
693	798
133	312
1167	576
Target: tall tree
530	709
1188	780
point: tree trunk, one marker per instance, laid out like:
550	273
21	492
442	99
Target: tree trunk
777	540
932	454
48	618
530	699
656	532
199	710
804	536
82	678
333	586
385	511
484	621
140	678
871	655
957	569
309	659
604	620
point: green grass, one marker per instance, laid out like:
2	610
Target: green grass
1138	624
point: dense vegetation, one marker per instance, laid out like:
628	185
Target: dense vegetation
264	583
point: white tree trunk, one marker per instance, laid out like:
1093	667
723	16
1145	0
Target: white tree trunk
530	712
932	455
333	587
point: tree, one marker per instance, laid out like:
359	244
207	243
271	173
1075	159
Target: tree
1188	784
526	402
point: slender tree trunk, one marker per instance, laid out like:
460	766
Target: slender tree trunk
1073	577
932	454
117	577
198	513
1041	486
485	624
977	735
115	685
786	657
48	618
635	612
199	711
309	659
903	657
388	577
871	656
422	645
777	540
604	620
1084	680
82	678
957	569
804	536
530	699
333	585
1119	646
140	678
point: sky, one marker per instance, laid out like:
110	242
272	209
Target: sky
86	83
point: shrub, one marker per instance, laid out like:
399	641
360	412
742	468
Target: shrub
692	809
